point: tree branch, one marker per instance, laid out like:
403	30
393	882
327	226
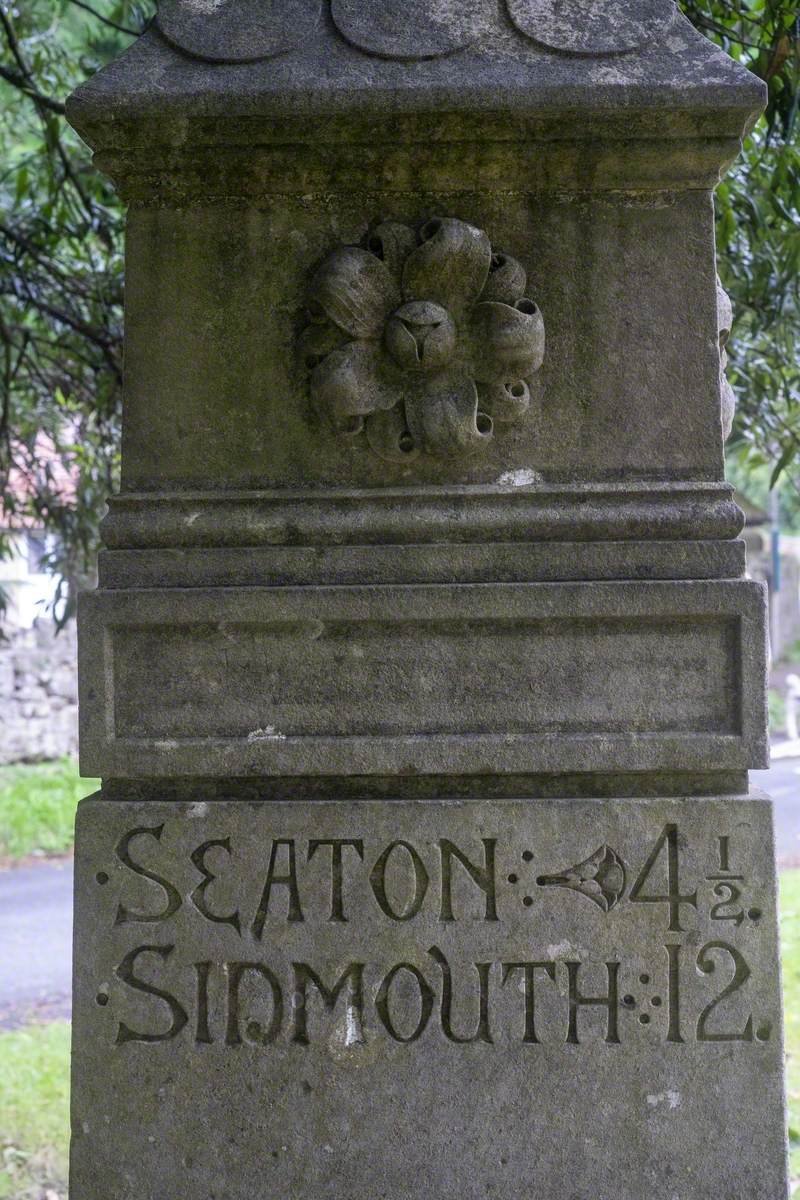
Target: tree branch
105	20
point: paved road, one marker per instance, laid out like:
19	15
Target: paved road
782	783
36	913
35	942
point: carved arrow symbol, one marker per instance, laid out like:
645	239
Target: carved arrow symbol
601	877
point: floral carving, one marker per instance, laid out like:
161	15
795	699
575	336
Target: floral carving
421	342
601	878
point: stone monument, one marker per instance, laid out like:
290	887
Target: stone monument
423	675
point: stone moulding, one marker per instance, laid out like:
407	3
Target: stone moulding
514	512
231	31
361	681
376	156
436	562
213	132
423	342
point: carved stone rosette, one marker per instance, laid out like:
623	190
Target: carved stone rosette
423	342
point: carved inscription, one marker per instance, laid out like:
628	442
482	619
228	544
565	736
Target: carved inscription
263	984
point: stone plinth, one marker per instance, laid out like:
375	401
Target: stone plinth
425	997
423	675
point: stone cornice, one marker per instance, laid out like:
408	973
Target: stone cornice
670	113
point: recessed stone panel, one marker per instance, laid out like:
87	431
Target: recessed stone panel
427	999
461	680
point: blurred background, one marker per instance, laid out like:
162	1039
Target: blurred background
61	298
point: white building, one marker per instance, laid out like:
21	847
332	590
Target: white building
30	590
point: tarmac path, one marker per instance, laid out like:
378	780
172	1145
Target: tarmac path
35	942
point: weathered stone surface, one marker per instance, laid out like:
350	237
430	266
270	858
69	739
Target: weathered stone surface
629	389
492	562
503	86
410	29
628	1044
237	30
340	662
467	680
602	28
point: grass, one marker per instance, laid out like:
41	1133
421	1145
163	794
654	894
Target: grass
34	1111
777	712
37	807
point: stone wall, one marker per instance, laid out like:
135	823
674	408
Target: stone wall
38	693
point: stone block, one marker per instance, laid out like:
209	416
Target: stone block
422	517
427	999
424	681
